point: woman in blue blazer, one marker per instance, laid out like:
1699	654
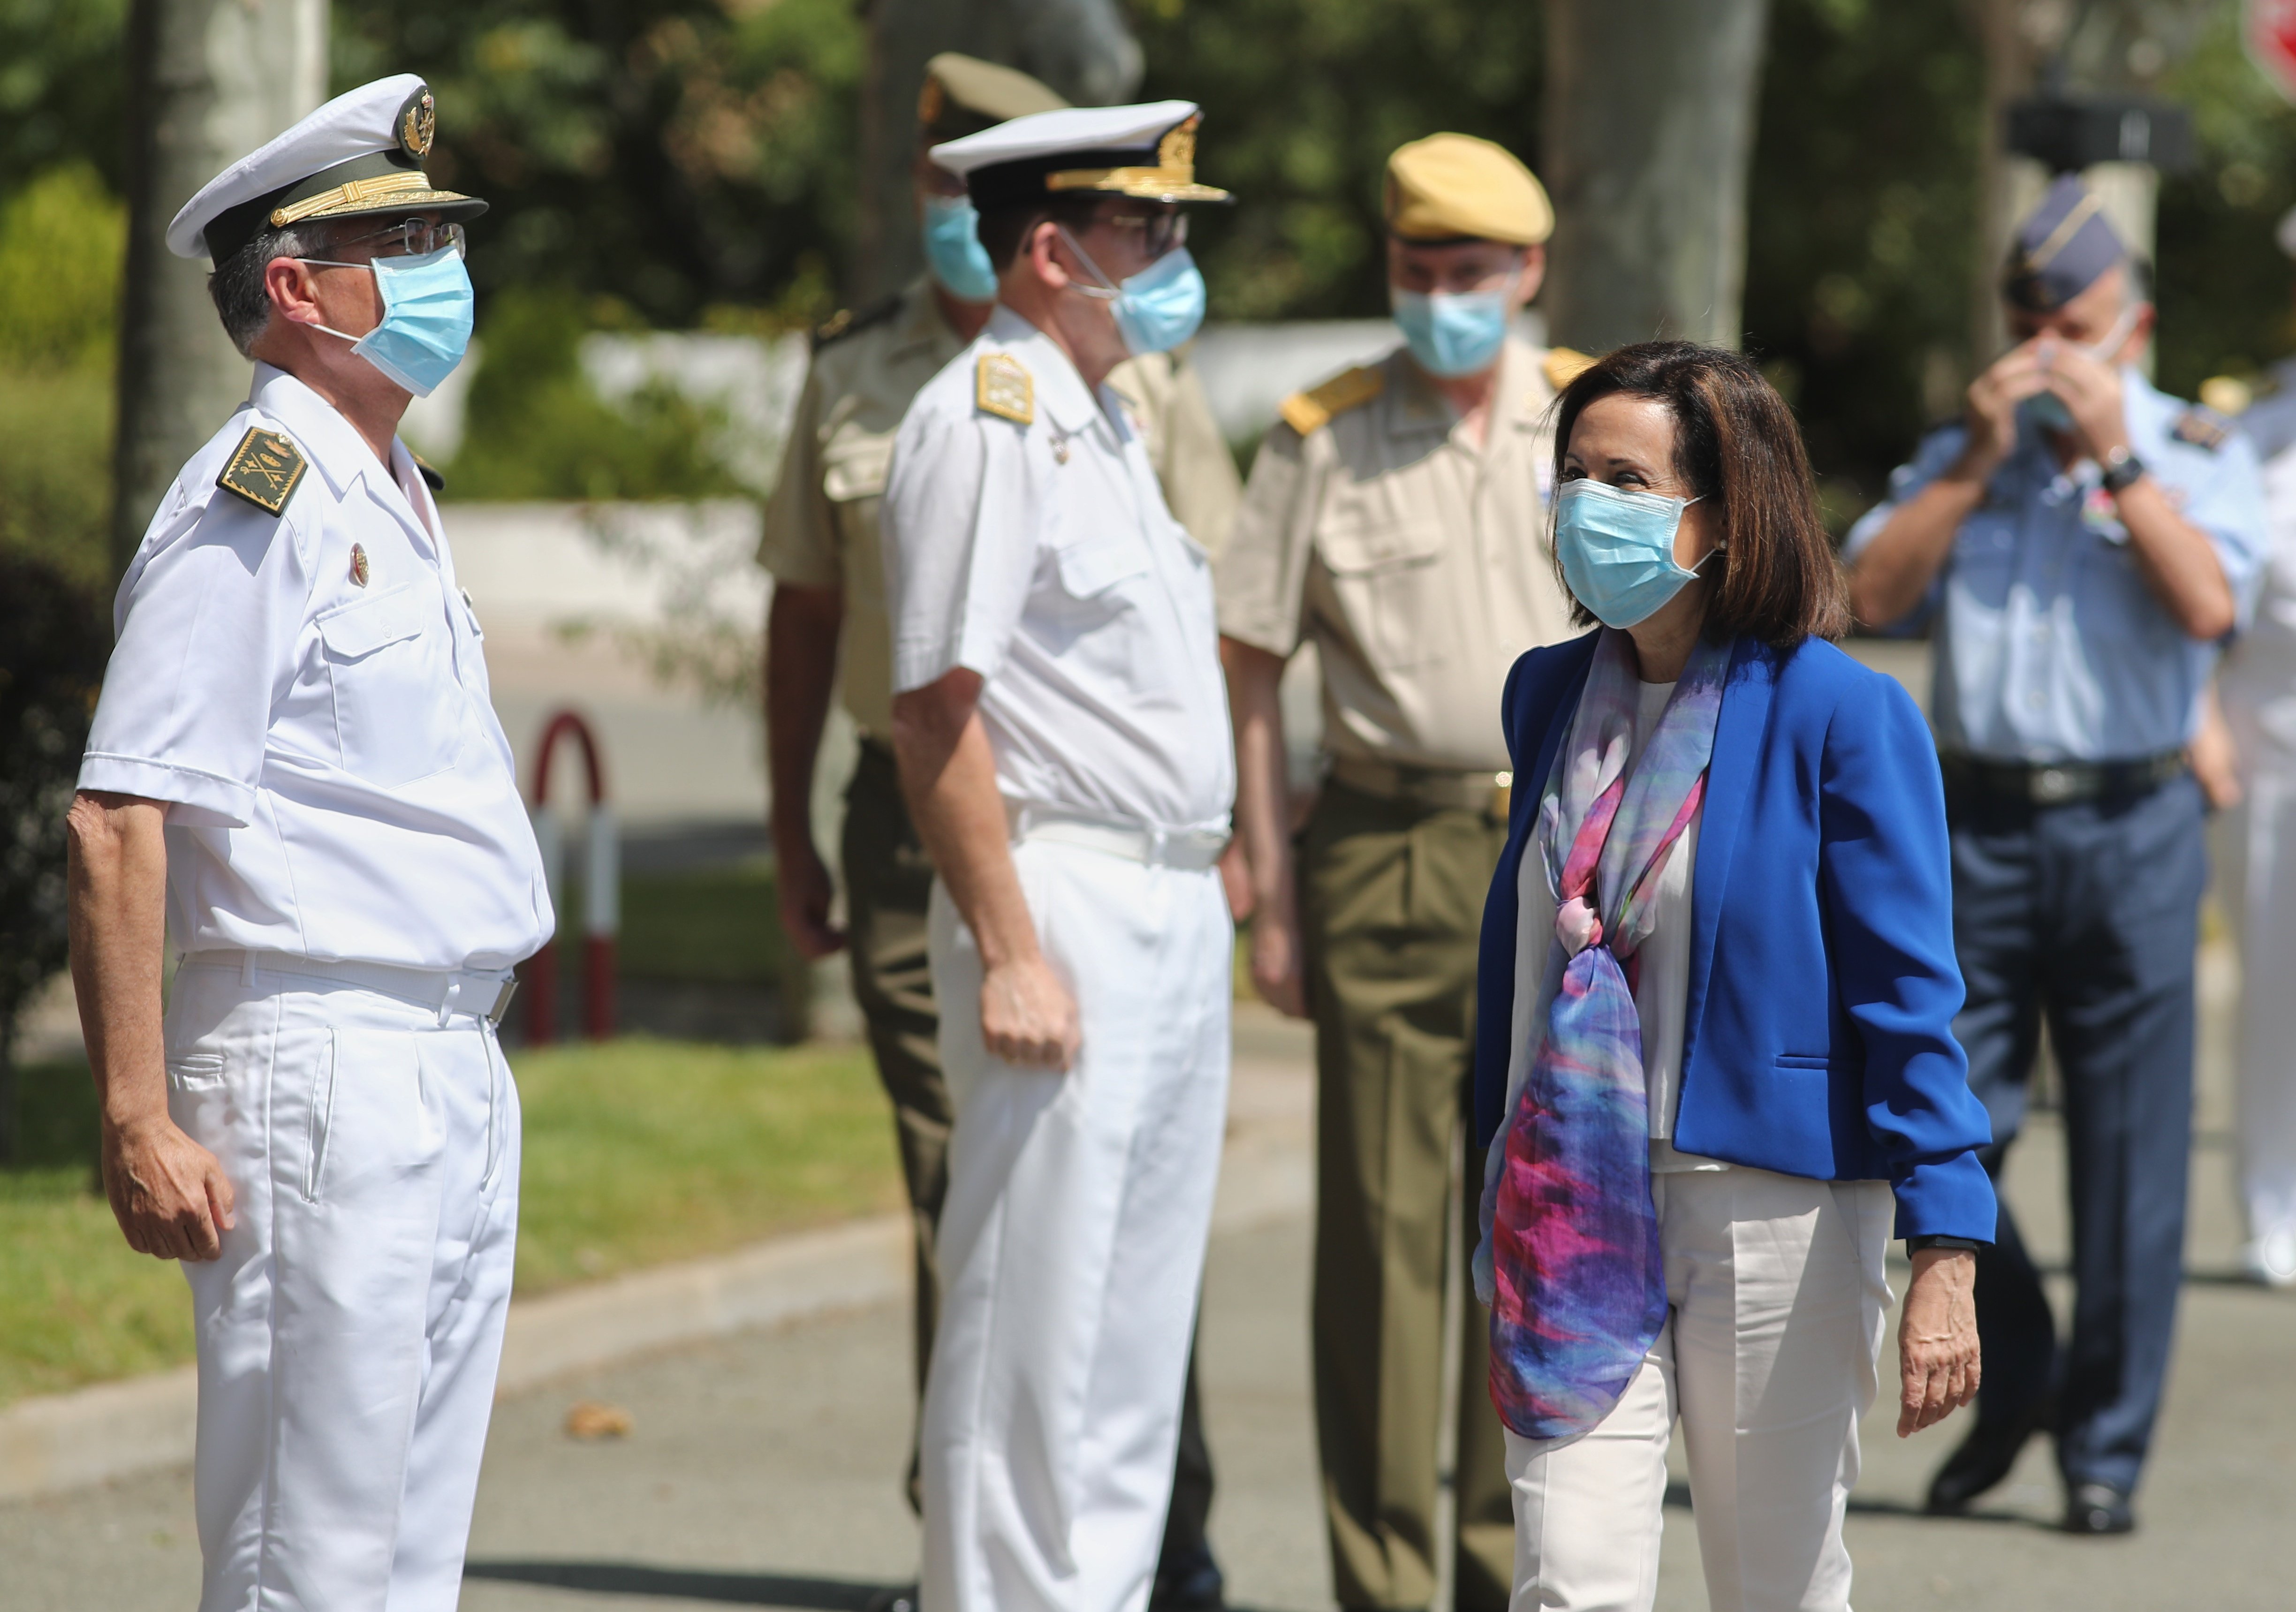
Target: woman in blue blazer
1714	1051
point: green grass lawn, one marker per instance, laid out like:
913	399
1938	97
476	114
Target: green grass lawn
637	1152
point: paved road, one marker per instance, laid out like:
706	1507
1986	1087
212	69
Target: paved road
762	1471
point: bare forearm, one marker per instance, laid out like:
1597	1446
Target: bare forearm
2178	561
117	873
802	627
948	771
1903	560
1262	787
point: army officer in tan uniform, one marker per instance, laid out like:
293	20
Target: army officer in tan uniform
1396	518
827	625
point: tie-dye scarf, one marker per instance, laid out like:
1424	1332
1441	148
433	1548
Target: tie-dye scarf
1579	1284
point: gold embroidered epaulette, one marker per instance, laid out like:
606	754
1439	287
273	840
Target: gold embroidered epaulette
2202	428
1002	386
1564	365
846	323
266	468
1310	412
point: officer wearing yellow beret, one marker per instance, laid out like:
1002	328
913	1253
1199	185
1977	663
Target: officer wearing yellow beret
1396	518
827	630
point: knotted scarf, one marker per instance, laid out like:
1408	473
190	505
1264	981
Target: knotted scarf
1579	1284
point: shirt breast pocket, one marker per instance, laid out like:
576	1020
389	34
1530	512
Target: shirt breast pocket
389	666
1388	576
1095	624
854	465
1985	556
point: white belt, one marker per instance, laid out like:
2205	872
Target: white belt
481	994
1189	849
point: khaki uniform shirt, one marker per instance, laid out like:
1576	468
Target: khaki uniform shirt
1417	563
821	523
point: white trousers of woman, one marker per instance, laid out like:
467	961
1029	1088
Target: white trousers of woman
1778	1292
2257	878
1071	1245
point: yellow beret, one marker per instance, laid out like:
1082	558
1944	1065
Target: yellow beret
964	94
1447	186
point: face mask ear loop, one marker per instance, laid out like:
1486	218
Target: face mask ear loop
1112	292
335	263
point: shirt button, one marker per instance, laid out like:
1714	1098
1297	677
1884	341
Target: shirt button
2036	699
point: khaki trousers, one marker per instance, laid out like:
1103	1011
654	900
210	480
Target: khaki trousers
888	889
1391	904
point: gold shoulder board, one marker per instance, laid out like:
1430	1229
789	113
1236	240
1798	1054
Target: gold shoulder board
266	468
1310	412
1565	364
2202	428
1002	386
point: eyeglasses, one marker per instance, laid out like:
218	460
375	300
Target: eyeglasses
412	238
1160	232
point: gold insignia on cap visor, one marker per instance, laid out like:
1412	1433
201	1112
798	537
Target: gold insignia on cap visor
358	195
418	124
1172	179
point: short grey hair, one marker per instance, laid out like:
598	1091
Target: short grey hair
237	283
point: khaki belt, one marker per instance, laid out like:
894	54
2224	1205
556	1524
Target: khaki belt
1440	787
2058	782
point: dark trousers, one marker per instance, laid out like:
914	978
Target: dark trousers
887	881
2088	914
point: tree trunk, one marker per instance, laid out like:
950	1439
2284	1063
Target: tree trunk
1650	124
1082	48
209	81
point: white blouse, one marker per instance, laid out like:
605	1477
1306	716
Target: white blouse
1662	989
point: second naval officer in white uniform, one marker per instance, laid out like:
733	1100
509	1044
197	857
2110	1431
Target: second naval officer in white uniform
1062	730
295	773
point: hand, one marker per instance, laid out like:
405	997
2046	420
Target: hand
1235	879
168	1192
1278	972
805	892
1991	411
2092	393
1937	1364
1027	1017
2215	760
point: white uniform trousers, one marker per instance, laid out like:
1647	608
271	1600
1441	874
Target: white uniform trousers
1778	1290
2257	880
1072	1243
348	1336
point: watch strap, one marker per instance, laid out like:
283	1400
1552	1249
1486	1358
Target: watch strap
2122	470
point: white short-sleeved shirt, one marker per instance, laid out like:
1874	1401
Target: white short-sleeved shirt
1041	556
337	784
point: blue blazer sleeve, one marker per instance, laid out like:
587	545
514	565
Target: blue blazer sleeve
1885	884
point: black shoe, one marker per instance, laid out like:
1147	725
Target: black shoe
1983	1460
1193	1583
2098	1508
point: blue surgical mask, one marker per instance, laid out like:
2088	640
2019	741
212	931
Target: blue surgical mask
1617	547
953	252
2045	411
1452	334
427	309
1157	308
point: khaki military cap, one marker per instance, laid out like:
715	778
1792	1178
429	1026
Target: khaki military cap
964	95
1456	187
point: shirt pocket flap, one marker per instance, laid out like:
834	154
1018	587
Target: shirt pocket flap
856	467
1098	564
365	625
1352	548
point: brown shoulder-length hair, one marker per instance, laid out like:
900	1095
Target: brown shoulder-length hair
1736	446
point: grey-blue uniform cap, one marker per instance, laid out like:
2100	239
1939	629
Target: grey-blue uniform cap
2061	247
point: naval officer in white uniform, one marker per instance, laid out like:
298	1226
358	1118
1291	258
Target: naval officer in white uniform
296	781
1062	735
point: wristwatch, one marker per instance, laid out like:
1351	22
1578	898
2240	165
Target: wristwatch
2122	470
1914	1245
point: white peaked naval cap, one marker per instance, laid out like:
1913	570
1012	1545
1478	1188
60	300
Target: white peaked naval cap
360	154
1146	152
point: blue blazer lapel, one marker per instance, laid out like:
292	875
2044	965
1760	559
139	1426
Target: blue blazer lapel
1738	731
1503	907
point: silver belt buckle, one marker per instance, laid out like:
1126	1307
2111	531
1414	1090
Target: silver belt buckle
2051	786
494	1014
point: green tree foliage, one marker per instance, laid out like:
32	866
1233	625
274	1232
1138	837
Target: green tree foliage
672	153
63	85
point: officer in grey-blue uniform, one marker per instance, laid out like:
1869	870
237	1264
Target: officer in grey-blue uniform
2082	544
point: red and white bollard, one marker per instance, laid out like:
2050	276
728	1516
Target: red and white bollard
602	892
